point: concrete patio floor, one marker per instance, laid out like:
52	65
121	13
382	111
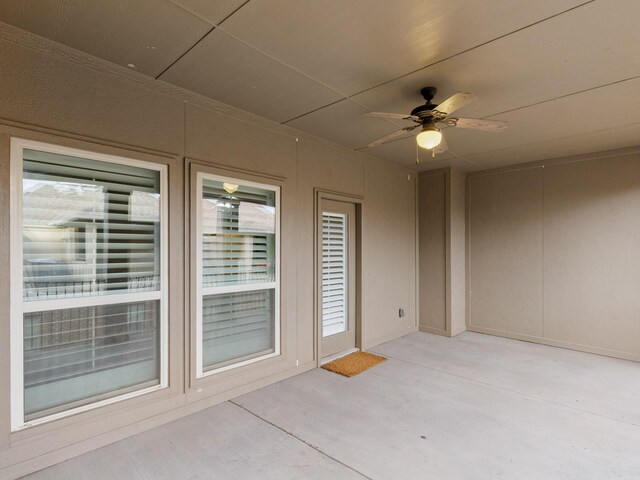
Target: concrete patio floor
471	407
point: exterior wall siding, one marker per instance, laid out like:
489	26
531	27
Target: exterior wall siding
53	94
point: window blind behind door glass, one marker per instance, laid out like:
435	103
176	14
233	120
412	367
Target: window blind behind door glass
89	227
334	273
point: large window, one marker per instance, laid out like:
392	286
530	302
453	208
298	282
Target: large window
88	281
237	298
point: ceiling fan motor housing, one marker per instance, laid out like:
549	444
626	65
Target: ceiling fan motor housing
428	93
424	110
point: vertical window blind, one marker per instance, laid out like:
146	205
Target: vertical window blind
91	271
238	273
334	273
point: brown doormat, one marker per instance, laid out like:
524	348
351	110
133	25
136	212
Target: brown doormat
354	363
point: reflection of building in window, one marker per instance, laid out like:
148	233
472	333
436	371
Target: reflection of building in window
83	238
238	238
60	237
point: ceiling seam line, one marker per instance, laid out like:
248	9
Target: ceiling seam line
186	51
565	96
232	13
334	103
290	67
472	48
204	19
191	12
314	110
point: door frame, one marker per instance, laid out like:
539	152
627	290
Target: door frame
357	201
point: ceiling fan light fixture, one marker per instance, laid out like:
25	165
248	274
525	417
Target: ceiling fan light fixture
429	138
230	187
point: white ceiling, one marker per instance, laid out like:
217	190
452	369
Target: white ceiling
565	74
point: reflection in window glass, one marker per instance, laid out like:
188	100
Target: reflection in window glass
238	235
89	228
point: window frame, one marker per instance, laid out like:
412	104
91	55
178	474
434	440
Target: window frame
201	176
18	307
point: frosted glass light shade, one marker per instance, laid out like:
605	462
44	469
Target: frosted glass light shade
430	138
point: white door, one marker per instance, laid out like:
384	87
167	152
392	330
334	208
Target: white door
338	280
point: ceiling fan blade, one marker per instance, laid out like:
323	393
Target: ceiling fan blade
393	116
392	135
478	124
455	102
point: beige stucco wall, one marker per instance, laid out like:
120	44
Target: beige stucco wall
54	94
553	253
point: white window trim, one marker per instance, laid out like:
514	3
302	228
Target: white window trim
18	307
201	291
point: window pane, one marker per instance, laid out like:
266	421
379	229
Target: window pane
89	227
76	356
237	326
238	234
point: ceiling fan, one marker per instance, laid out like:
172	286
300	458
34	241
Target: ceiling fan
428	115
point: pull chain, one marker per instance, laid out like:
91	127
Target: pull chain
433	154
